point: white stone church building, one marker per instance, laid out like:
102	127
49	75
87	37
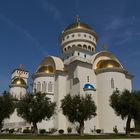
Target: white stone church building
79	70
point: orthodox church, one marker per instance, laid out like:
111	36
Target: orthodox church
79	70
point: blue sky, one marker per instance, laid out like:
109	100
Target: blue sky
29	30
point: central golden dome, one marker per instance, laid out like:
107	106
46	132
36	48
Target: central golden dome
18	81
45	69
107	64
78	25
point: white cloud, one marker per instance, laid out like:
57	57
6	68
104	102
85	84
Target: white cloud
119	30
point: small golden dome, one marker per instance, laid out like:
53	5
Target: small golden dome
78	25
45	69
107	64
18	81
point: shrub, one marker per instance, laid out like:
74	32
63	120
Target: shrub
42	131
5	130
61	131
132	129
98	130
92	130
69	130
115	129
11	131
26	131
78	129
52	130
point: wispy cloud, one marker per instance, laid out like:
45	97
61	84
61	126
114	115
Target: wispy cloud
53	10
23	31
114	24
119	30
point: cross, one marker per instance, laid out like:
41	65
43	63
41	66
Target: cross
21	70
20	67
104	47
77	19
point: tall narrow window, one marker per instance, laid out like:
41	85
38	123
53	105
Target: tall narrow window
38	87
50	87
112	83
34	87
44	87
87	78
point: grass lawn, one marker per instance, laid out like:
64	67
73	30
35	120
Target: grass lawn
111	136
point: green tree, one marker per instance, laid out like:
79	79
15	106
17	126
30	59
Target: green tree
137	119
125	105
34	108
6	107
78	109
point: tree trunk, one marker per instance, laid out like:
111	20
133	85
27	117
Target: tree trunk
35	129
128	125
81	128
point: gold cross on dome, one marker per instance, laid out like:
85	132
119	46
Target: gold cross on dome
20	67
20	70
104	47
77	19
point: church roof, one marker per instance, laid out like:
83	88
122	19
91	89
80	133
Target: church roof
88	86
50	64
77	25
18	81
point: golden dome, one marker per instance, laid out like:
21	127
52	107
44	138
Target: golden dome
78	25
45	69
18	81
107	64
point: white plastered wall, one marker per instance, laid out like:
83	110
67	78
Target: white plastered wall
60	93
107	117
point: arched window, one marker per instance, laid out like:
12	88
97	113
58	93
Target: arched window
73	46
65	49
72	35
79	45
89	48
85	46
87	78
44	87
50	87
112	83
85	55
79	35
38	87
69	47
92	49
34	85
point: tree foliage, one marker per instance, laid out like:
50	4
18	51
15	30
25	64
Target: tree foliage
78	109
35	107
6	107
137	118
125	105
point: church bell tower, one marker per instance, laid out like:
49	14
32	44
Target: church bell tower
18	86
